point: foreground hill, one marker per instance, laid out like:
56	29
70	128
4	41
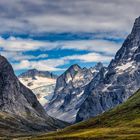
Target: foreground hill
122	122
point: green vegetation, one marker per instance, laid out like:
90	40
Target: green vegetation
120	123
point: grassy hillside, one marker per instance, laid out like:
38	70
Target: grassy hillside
120	123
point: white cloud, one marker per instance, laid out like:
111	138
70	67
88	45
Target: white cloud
91	57
18	44
46	65
18	56
68	16
14	48
107	47
106	18
53	64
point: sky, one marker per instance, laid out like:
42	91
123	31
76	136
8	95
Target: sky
51	35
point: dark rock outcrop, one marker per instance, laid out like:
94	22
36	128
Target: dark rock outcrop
18	101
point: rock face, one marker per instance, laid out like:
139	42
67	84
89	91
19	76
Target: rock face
69	92
17	100
121	80
42	83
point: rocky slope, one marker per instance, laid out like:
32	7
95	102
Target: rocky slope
69	92
120	82
42	83
20	104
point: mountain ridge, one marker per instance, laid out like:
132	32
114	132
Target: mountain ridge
34	72
69	92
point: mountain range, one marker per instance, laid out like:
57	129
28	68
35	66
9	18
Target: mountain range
77	95
83	93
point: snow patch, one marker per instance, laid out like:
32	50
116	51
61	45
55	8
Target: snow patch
42	87
125	67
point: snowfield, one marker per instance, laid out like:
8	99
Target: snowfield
42	87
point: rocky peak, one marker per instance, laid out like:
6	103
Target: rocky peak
73	77
97	67
69	92
73	69
136	27
129	48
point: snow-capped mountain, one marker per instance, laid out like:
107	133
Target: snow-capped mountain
69	92
42	83
121	80
19	106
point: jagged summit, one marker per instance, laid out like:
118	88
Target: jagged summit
96	68
72	69
129	52
99	65
136	27
69	92
75	66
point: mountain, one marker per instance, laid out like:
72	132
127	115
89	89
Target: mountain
19	108
42	83
120	82
69	92
120	123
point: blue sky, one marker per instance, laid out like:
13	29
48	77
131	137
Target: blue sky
51	35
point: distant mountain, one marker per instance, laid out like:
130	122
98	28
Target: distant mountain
42	83
19	108
120	82
69	91
34	72
120	123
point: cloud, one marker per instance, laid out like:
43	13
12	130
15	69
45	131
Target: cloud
15	50
45	65
97	45
90	57
104	18
104	46
54	64
18	44
18	56
33	17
